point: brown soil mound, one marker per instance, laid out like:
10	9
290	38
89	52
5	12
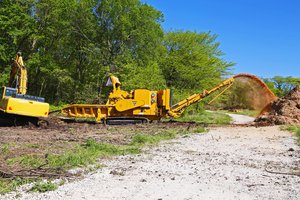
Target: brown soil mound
285	110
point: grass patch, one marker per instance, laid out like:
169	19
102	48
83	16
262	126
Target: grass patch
32	161
206	118
88	153
56	107
140	139
294	129
11	185
198	130
44	187
81	155
5	149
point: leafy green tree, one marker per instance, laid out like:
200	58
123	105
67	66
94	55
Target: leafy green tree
193	61
64	64
148	77
129	39
17	27
70	46
47	65
128	31
282	85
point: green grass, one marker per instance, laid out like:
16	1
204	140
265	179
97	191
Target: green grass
5	149
140	139
198	130
56	107
294	129
87	153
81	155
32	161
44	187
8	185
206	118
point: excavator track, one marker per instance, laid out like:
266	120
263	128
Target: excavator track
126	120
110	121
17	120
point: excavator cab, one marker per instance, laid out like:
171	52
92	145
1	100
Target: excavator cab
8	92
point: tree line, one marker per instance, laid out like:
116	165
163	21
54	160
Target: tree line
71	46
282	85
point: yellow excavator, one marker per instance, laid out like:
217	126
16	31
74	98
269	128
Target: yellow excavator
137	105
15	105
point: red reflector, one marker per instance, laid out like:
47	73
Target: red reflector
10	108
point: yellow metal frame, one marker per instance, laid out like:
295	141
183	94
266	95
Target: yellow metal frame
152	105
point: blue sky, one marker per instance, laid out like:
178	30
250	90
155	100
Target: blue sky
261	36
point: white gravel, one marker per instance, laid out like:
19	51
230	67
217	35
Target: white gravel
226	163
240	119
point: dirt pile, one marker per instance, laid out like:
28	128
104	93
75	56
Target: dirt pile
285	110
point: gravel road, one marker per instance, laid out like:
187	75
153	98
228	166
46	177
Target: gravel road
225	163
240	119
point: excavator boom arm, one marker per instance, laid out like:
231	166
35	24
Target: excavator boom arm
18	68
177	109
